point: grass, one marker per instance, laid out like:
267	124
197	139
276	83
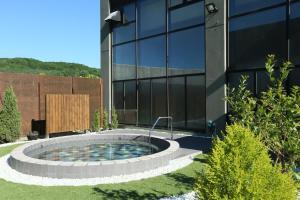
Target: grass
178	182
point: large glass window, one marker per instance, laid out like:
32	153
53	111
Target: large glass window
130	102
124	33
294	77
175	2
151	17
118	95
129	12
144	102
242	6
189	15
124	62
177	101
195	102
295	33
252	37
186	51
159	100
152	57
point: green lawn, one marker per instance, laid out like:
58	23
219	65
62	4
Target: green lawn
178	182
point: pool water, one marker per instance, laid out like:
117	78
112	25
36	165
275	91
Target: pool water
98	152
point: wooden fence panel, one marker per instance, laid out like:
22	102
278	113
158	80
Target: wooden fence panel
67	113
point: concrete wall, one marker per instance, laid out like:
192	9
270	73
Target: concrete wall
106	56
31	93
215	31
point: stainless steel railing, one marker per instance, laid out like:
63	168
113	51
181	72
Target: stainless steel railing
157	120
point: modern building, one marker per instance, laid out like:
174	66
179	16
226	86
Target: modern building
176	57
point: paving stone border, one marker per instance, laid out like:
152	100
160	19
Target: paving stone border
21	162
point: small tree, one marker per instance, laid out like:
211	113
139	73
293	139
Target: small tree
240	168
274	115
96	121
114	119
105	120
10	117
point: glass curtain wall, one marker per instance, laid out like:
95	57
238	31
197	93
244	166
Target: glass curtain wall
258	28
159	63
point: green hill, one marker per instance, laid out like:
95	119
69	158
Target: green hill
33	66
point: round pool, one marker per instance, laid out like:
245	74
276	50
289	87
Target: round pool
111	153
97	151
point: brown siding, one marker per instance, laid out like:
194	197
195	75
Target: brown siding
31	93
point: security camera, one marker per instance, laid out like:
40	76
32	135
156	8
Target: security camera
115	16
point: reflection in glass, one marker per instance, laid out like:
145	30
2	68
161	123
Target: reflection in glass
118	95
151	17
242	6
159	100
177	101
190	15
152	57
129	12
195	102
175	2
186	51
251	38
124	62
295	33
124	33
144	102
294	77
235	78
130	102
118	99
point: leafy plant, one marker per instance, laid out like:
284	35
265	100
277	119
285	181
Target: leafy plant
274	116
10	117
240	168
105	120
114	119
96	121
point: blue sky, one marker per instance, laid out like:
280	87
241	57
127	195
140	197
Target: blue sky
51	30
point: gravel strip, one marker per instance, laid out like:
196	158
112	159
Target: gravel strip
188	196
11	175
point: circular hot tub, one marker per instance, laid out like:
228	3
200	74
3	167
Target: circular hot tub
111	153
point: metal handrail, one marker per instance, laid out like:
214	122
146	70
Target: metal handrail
157	120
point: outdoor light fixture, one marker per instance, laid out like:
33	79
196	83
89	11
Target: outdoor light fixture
211	8
114	17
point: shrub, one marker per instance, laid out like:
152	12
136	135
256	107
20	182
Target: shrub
10	118
105	120
240	168
114	119
96	121
274	115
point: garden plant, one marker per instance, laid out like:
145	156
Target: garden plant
273	115
10	117
240	168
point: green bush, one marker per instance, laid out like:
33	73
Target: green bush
10	117
105	120
96	121
274	116
240	168
114	119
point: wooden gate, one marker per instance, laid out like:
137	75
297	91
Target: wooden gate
67	113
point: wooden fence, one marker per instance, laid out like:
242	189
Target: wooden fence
67	113
31	91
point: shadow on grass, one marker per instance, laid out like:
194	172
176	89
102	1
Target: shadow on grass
182	180
121	194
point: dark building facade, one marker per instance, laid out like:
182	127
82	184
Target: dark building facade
176	57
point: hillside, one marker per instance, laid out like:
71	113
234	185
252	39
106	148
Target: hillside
32	66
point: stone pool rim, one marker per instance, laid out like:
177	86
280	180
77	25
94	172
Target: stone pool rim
19	161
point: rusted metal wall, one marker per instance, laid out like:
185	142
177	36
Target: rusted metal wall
67	113
31	93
